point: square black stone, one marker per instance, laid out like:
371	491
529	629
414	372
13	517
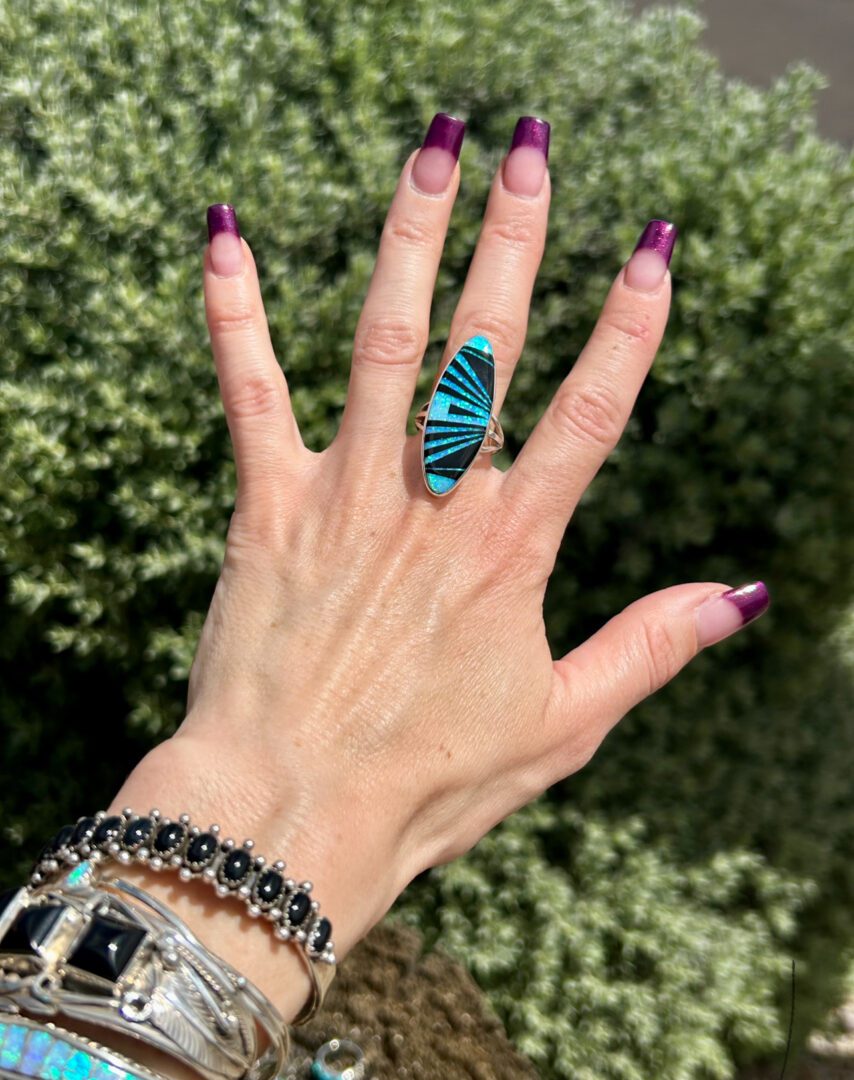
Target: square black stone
106	948
30	929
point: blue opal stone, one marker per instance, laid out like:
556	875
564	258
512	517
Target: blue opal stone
458	415
53	1064
77	1067
102	1070
79	875
13	1045
35	1051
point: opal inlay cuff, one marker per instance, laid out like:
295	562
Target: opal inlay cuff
43	1050
457	422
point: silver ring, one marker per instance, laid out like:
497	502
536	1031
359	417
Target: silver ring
346	1048
457	423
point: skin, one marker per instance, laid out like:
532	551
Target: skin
373	688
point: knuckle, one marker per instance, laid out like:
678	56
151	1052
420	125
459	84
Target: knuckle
661	653
389	342
514	231
628	325
233	318
593	413
503	331
411	231
254	395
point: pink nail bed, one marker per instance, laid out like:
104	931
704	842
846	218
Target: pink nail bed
525	164
434	165
646	268
722	615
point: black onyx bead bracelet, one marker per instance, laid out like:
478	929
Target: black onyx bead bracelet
161	843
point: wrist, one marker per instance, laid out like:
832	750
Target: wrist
322	839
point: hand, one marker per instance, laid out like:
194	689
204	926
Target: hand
373	688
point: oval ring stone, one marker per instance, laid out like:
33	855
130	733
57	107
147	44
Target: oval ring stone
458	416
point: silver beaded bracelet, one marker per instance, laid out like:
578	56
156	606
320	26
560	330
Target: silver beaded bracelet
163	843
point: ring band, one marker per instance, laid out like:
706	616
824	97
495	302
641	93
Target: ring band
321	1070
457	423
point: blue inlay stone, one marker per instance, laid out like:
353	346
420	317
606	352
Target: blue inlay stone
458	416
53	1064
102	1070
13	1045
35	1051
79	876
78	1066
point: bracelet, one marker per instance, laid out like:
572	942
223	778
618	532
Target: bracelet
163	843
80	947
44	1050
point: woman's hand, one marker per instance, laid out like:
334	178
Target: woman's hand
373	689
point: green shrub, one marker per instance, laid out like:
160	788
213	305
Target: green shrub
708	842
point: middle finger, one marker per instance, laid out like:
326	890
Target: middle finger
496	297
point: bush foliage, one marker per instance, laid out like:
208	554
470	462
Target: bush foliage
639	920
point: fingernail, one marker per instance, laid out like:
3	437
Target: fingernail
224	237
434	165
525	164
646	268
720	616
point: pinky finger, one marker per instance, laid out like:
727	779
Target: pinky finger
636	653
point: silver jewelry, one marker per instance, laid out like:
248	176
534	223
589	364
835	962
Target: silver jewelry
458	423
166	844
79	946
45	1051
323	1069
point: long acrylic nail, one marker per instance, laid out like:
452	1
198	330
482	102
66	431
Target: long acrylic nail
224	237
526	162
434	165
646	268
720	616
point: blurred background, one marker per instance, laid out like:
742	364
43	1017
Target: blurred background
756	40
640	920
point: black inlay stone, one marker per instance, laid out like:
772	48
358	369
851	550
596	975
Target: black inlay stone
46	851
81	830
137	833
201	850
60	839
108	829
268	886
30	929
298	907
106	948
169	838
235	867
320	934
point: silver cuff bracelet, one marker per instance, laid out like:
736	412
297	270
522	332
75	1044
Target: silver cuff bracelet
79	946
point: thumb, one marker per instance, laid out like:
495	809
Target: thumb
645	646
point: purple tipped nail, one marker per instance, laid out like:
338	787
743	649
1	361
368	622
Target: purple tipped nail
751	600
659	236
534	132
446	132
222	218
